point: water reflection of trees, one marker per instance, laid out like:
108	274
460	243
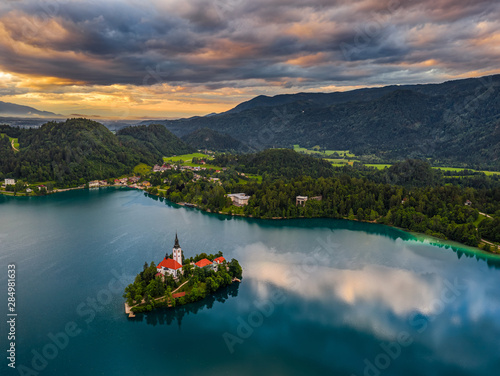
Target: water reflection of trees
491	261
167	316
341	224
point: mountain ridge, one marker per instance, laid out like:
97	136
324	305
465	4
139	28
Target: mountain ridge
455	122
13	109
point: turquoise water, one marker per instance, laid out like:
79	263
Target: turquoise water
319	297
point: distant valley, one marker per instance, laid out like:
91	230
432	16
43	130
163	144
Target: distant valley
456	122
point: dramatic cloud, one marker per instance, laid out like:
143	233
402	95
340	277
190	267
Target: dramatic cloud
215	46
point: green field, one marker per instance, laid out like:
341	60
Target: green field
187	160
336	161
142	169
16	141
454	169
458	169
252	176
318	150
186	157
479	220
379	166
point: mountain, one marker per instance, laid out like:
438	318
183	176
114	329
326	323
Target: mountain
11	109
153	140
456	122
206	138
78	150
313	99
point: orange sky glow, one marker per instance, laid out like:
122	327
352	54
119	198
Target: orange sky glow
134	59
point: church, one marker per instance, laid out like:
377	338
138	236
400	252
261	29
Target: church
172	266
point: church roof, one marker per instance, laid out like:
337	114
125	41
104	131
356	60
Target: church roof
176	245
202	263
169	264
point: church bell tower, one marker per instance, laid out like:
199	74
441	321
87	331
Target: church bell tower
177	252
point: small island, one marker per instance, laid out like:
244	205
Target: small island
177	280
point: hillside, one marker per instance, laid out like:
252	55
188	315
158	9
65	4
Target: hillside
76	151
12	109
456	122
278	163
152	141
206	138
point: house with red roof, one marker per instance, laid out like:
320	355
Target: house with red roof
219	260
204	263
168	266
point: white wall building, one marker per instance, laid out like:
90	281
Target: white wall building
239	199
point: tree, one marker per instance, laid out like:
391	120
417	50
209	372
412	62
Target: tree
20	186
138	299
212	285
187	270
235	269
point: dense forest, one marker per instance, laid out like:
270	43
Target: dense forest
153	141
277	163
454	123
207	138
78	150
434	209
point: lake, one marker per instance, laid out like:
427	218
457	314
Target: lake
318	296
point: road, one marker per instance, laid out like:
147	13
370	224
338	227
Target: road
486	215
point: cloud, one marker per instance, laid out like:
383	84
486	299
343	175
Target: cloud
288	44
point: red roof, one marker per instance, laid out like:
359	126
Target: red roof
178	295
169	264
158	274
219	260
203	263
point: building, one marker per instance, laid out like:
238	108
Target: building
121	181
177	251
300	200
134	179
219	260
171	266
203	263
94	184
239	199
10	182
468	203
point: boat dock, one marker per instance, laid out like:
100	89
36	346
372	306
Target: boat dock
128	311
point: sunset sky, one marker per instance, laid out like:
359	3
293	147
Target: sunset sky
176	58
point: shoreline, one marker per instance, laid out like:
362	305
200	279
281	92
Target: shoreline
57	190
162	299
418	236
421	237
